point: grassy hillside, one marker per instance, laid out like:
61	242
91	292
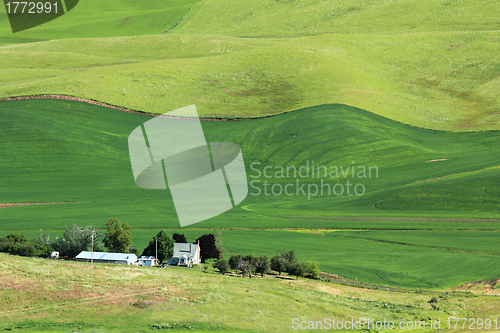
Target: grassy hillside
103	19
427	64
270	18
75	155
43	295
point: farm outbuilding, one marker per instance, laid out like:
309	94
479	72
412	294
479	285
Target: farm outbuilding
107	258
146	261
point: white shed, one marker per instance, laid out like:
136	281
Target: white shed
147	261
107	257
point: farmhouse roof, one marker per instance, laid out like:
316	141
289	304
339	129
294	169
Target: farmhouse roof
185	249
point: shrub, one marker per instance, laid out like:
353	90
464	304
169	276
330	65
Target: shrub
16	244
221	265
313	270
43	250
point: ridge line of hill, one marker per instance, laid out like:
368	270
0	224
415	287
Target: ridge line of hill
119	108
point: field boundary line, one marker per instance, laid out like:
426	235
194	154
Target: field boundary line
77	99
452	175
388	218
112	106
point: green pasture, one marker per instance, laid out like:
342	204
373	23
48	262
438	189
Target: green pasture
485	242
75	156
387	258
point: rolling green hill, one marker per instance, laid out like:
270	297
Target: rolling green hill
103	19
282	18
429	64
75	155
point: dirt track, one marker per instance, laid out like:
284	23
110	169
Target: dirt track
3	205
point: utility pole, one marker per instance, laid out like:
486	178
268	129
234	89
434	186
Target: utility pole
92	253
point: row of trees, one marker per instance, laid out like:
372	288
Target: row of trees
117	238
285	262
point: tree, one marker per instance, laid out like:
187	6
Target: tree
165	247
252	262
208	247
244	267
297	269
251	259
290	259
179	238
42	244
117	237
218	242
278	264
221	265
74	241
262	265
233	260
42	238
313	270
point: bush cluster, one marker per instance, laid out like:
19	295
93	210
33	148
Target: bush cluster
19	245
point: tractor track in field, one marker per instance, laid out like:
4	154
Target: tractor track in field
5	205
107	105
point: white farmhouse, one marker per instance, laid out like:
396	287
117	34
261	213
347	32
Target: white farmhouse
185	254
